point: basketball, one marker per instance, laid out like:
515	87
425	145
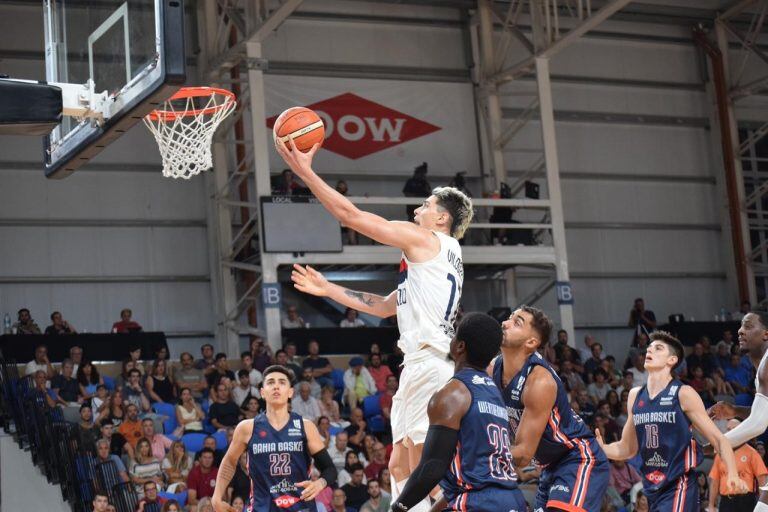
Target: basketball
303	125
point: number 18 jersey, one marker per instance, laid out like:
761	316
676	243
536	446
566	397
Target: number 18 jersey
277	461
428	295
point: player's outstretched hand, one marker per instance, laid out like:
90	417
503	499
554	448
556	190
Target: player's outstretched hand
599	438
311	489
736	485
722	411
298	161
308	280
220	505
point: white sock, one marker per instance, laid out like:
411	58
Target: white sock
397	488
422	506
761	507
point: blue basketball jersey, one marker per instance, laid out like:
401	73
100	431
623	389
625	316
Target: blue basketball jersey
482	457
564	429
664	437
277	460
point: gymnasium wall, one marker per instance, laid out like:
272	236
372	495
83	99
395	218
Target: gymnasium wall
640	181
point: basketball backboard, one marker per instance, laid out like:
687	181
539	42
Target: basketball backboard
133	49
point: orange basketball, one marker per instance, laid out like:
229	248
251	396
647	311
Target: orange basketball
303	125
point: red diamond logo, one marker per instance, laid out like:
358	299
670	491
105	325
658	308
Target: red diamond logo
356	127
655	477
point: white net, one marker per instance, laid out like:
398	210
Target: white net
184	128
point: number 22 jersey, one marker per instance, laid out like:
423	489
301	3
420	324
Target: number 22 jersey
277	461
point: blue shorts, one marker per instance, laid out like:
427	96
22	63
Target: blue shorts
489	499
577	482
682	495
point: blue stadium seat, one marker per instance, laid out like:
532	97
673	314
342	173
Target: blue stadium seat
377	424
221	440
193	442
109	382
338	378
371	406
205	405
169	411
334	430
180	497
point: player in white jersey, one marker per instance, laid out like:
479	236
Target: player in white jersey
753	340
426	299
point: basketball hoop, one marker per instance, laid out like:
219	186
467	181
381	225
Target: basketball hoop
184	128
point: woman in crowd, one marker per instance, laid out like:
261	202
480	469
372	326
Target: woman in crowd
159	385
330	408
204	505
345	475
171	506
641	503
238	503
613	402
115	413
120	380
89	379
145	467
366	453
176	466
324	427
189	414
251	408
385	482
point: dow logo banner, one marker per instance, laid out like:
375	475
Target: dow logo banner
383	126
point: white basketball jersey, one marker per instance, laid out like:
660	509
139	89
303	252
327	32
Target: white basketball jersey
428	297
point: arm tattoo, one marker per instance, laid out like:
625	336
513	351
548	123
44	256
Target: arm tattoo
226	473
365	298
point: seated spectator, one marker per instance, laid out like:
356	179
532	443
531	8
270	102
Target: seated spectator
366	452
251	408
723	356
358	382
622	478
560	344
594	362
261	354
571	378
385	482
189	377
569	354
210	443
173	506
126	324
700	358
638	371
351	460
223	412
379	372
586	408
599	388
130	428
641	319
104	454
723	391
115	412
607	427
159	443
356	429
189	414
176	466
100	403
377	462
118	445
202	478
626	383
614	404
314	387
41	390
737	376
87	433
204	505
338	450
324	427
207	361
25	325
243	389
385	400
291	351
159	385
59	326
89	379
76	355
150	497
350	319
330	407
134	393
144	467
356	490
613	373
65	385
639	348
305	404
238	503
220	369
340	502
241	482
292	320
101	502
321	367
281	358
122	379
40	362
254	375
376	502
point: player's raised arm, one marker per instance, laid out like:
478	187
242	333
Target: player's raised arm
691	403
308	280
323	462
757	420
539	399
242	434
626	447
446	409
403	235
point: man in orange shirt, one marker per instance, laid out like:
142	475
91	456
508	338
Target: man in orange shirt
130	428
750	466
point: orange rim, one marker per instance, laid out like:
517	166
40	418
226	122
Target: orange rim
192	92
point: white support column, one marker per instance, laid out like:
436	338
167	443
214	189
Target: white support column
510	287
489	91
553	184
261	149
